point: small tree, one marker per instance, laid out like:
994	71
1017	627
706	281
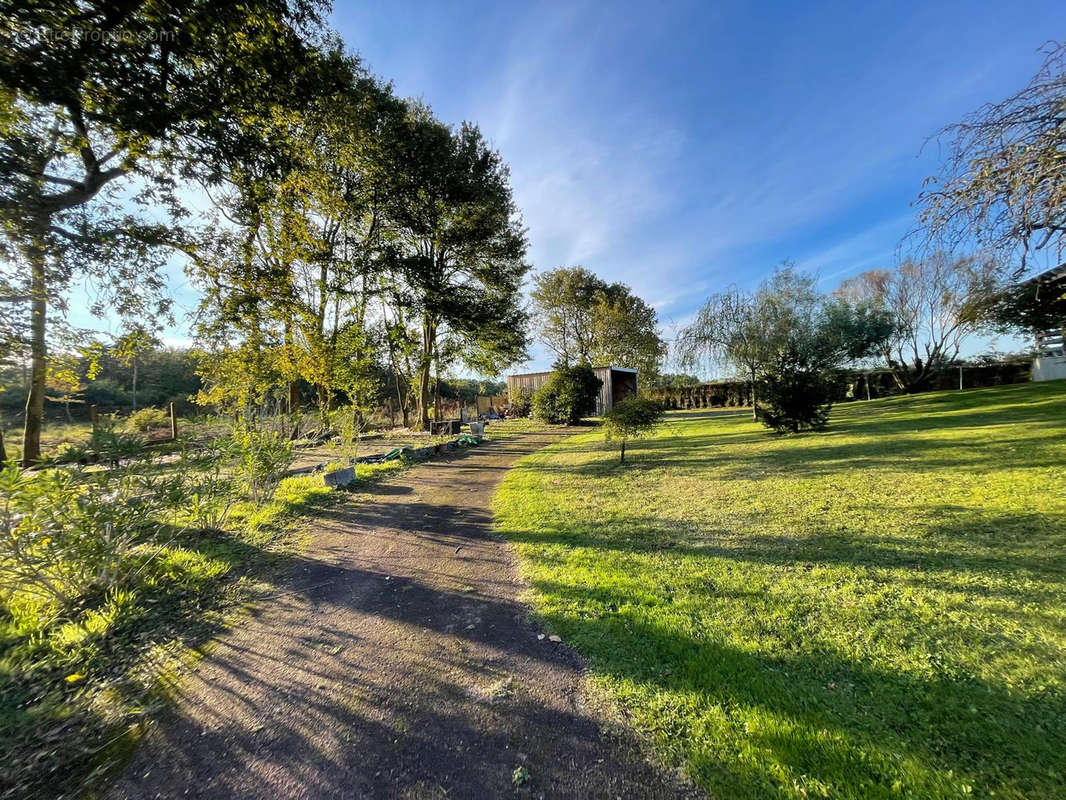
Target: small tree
632	418
520	400
798	384
567	396
129	348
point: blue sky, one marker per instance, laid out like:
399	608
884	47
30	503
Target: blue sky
683	147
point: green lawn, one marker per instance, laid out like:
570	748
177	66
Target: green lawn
878	610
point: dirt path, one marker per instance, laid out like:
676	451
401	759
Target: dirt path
396	661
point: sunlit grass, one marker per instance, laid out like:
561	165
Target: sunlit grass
875	611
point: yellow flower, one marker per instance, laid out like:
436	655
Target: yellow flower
74	677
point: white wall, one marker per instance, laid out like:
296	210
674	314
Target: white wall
1049	368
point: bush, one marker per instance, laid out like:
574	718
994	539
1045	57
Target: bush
567	396
632	418
111	447
519	401
792	399
68	533
147	419
261	460
211	490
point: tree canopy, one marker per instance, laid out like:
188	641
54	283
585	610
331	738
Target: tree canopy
583	319
102	108
1002	186
934	305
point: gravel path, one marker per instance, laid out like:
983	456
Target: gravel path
394	661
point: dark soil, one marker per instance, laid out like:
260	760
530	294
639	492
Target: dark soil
395	660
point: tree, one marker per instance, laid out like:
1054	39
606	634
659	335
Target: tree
583	319
64	380
292	275
625	332
935	303
799	382
743	331
1038	304
457	247
632	418
568	395
784	334
129	348
1003	185
96	118
566	300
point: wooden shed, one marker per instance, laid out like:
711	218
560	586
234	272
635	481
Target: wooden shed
618	384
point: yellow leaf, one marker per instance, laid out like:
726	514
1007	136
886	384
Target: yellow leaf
74	677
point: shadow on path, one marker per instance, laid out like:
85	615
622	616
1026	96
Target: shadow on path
394	660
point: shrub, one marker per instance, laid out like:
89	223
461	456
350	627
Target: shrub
261	459
567	396
68	533
147	419
211	490
793	398
519	400
111	447
632	418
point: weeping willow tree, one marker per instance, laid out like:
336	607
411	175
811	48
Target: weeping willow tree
1002	186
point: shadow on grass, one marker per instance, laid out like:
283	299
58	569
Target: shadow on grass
837	721
850	727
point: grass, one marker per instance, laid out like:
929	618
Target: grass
76	687
876	611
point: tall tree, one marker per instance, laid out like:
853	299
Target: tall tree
935	304
625	332
94	118
566	300
583	319
294	265
458	246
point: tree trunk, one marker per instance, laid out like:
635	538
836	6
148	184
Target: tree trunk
623	459
293	398
425	365
423	394
436	385
754	401
3	451
134	383
31	434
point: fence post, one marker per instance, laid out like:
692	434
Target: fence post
92	417
173	422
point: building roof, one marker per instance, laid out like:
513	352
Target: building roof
1053	275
